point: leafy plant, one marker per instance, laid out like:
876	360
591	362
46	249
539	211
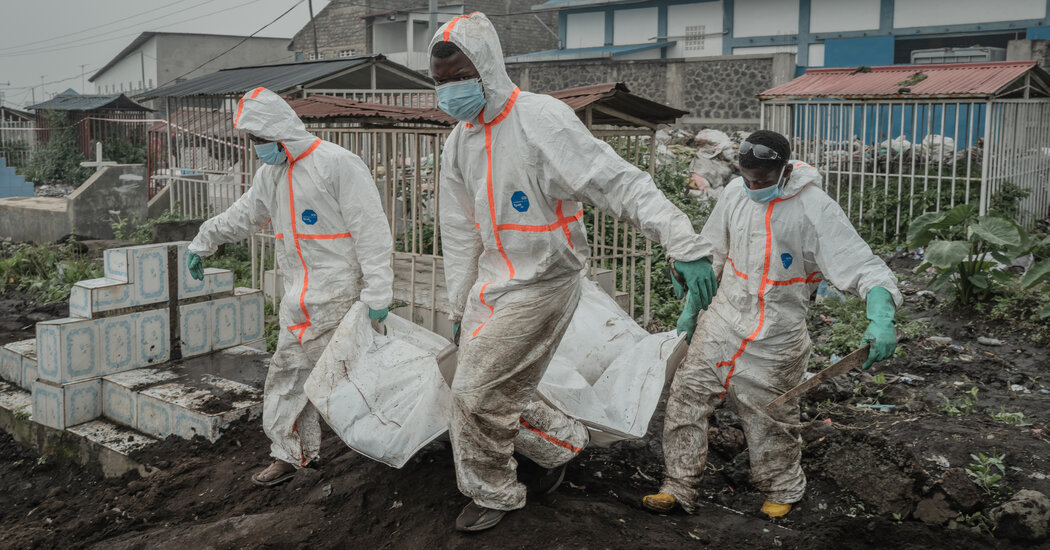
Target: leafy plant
977	522
46	271
1011	418
127	229
58	161
964	247
987	471
962	407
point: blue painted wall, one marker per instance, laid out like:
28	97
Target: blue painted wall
853	52
963	122
1038	33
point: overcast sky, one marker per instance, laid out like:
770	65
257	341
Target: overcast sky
54	38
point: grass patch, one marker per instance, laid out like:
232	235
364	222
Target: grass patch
46	272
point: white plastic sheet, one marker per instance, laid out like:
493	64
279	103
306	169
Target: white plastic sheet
608	372
382	394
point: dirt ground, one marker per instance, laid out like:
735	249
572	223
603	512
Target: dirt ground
868	469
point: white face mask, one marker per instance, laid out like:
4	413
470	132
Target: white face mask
766	194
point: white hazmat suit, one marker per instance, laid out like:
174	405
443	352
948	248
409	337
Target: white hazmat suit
753	344
511	193
333	247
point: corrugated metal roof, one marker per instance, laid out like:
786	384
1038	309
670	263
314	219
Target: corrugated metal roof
321	107
615	96
598	52
72	101
279	78
201	122
617	106
949	80
565	4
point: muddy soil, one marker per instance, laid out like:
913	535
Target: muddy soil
869	469
19	314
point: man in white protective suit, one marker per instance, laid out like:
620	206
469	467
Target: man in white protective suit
333	247
773	236
514	174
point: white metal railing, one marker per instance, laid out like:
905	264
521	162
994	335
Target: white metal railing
423	99
887	161
18	140
405	167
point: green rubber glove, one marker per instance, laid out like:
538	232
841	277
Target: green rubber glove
699	279
880	333
196	265
687	320
378	314
455	332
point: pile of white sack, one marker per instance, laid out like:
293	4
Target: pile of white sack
386	398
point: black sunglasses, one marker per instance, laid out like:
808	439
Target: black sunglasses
759	151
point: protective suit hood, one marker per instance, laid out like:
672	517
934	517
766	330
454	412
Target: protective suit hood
475	35
801	175
266	115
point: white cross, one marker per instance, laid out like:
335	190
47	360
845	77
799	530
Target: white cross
98	164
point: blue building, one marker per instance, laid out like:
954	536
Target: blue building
821	33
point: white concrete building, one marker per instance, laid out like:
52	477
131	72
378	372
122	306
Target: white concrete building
156	59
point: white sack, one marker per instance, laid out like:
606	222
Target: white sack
382	394
608	372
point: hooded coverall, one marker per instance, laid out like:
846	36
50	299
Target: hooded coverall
333	246
752	344
512	184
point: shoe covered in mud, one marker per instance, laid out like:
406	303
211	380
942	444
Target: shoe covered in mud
660	502
478	518
276	473
775	510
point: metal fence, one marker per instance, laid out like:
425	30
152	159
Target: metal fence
406	168
18	140
422	99
887	161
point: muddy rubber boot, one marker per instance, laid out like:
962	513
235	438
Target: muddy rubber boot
276	473
478	518
660	502
775	510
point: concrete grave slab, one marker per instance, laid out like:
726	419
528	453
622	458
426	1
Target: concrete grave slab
65	405
119	338
68	350
92	296
153	337
252	313
120	392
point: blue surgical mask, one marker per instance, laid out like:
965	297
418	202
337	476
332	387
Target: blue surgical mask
271	153
462	100
766	194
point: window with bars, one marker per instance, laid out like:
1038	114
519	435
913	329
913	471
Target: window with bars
694	37
315	57
346	53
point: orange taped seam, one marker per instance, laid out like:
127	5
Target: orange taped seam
492	202
735	271
549	437
761	300
240	105
491	309
295	237
812	278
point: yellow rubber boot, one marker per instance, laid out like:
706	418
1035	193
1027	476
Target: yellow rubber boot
775	510
660	502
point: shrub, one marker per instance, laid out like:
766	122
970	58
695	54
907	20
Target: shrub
59	160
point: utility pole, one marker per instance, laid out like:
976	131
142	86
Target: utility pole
313	25
433	20
2	93
83	88
142	63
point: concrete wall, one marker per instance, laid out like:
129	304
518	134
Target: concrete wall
136	71
34	219
340	27
1030	50
177	54
115	191
719	92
